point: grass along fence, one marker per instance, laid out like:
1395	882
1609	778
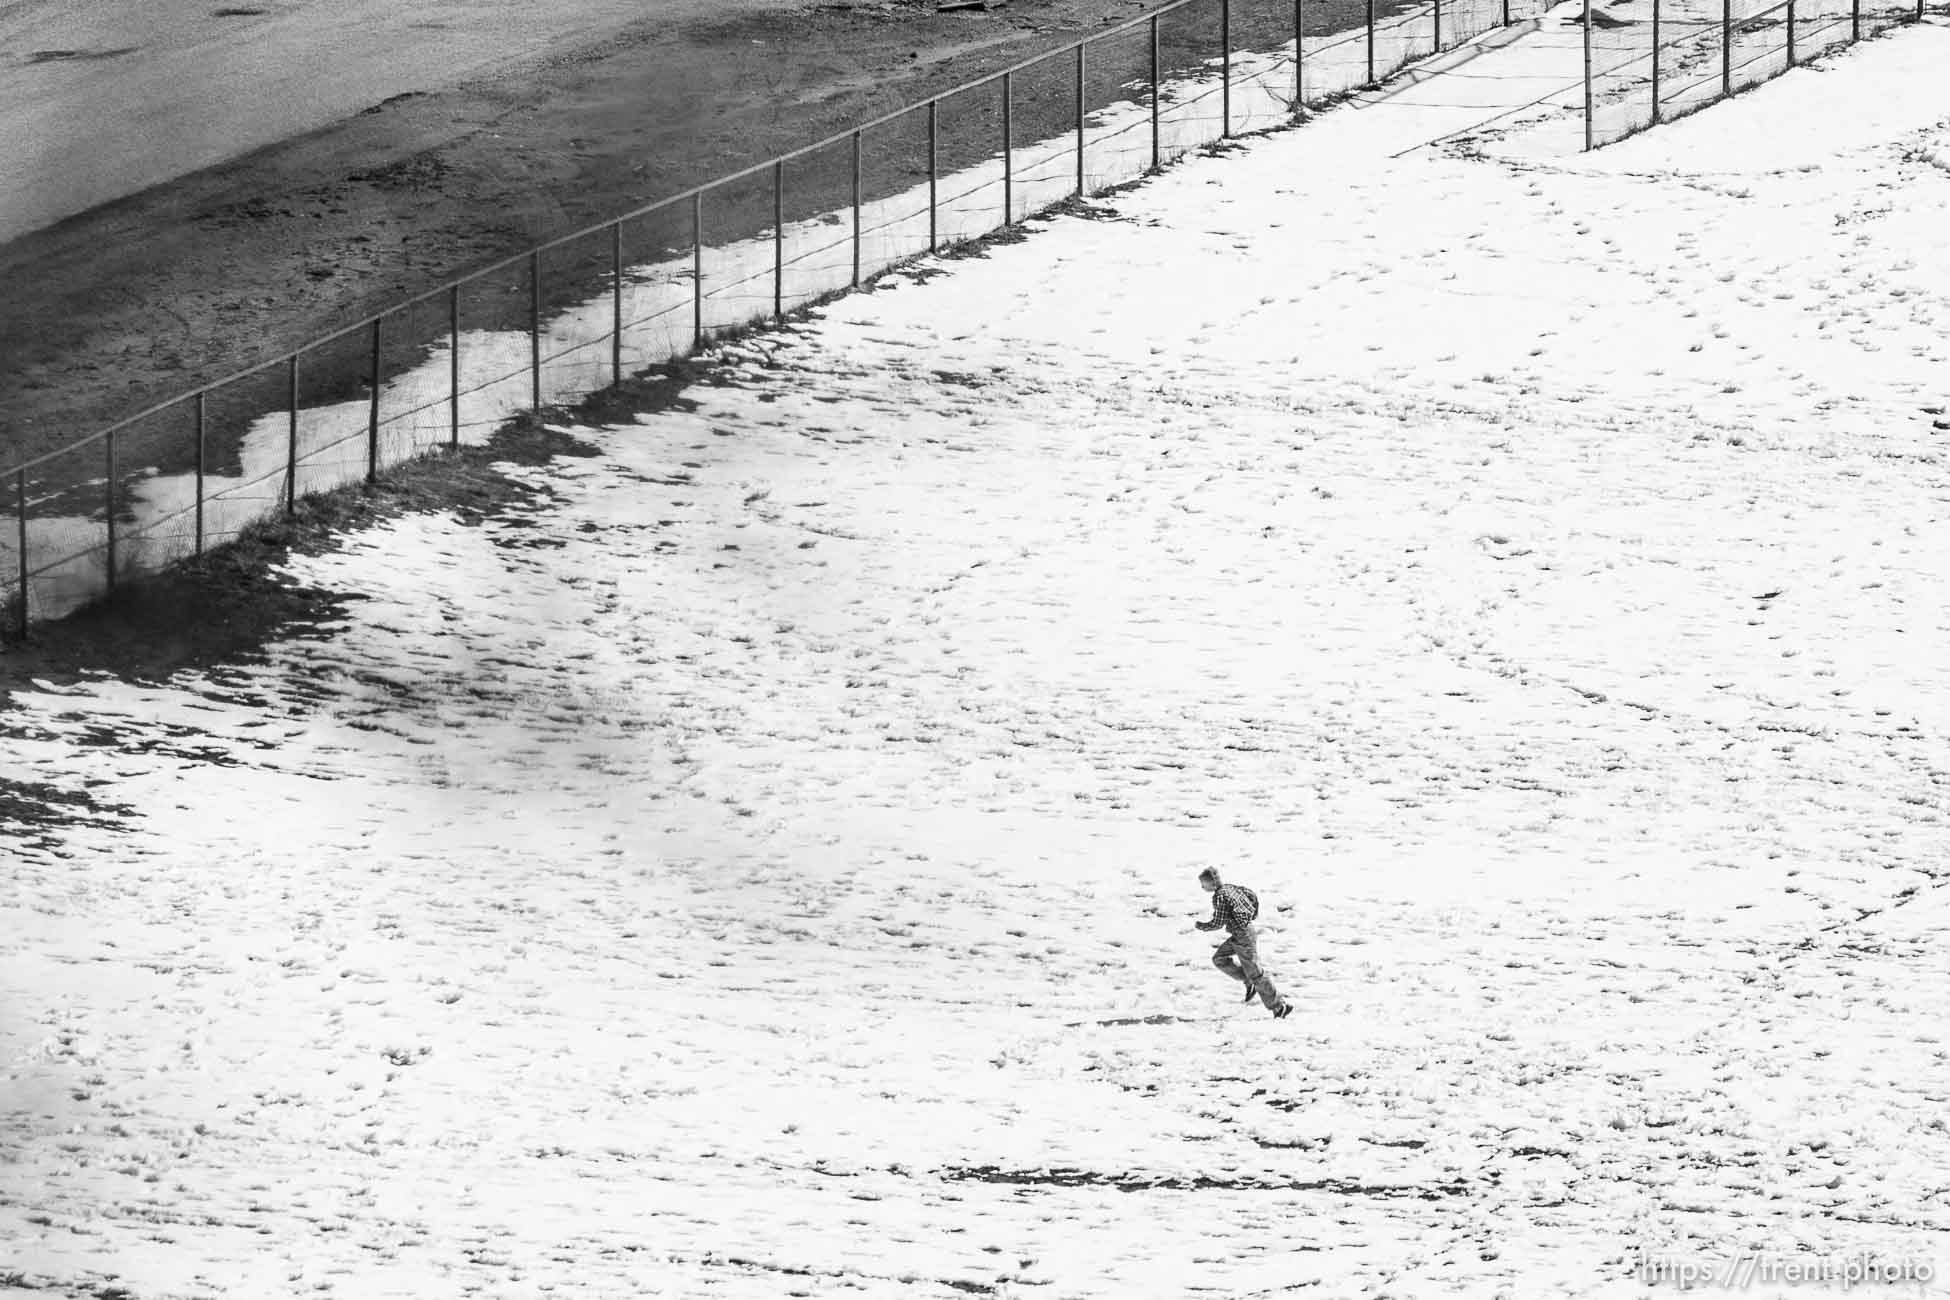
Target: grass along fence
579	313
1663	59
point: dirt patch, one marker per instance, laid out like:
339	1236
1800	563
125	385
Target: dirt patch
1127	1182
33	814
79	56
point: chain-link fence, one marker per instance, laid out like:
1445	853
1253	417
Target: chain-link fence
1654	60
577	314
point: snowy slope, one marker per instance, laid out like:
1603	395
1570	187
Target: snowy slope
768	869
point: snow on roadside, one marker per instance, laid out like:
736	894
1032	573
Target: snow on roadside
767	869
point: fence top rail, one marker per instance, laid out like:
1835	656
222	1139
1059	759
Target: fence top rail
1761	14
695	192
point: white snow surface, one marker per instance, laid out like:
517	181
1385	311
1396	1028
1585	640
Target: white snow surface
766	866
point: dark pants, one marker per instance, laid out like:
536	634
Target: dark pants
1238	957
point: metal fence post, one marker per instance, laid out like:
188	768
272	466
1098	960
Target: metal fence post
1299	40
1438	26
616	303
697	269
1225	68
856	208
291	442
108	442
1506	13
778	240
1157	146
1790	32
1008	148
1726	46
934	173
201	424
1855	20
20	496
1590	115
1371	80
453	365
372	413
1588	126
535	328
1080	181
1656	38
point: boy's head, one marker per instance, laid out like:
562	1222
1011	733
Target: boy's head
1208	880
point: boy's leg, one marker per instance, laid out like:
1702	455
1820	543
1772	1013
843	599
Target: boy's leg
1260	981
1256	979
1247	952
1269	997
1226	958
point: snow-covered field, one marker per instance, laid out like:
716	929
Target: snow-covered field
768	869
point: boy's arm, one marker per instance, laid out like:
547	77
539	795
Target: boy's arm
1215	922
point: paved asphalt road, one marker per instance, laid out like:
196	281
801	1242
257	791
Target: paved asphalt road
103	98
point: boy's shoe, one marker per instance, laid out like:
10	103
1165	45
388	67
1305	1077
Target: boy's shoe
1251	992
1282	1011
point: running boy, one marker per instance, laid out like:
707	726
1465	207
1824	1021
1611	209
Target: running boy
1233	909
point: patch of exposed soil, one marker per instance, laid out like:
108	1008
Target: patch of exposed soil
79	56
32	813
1126	1182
